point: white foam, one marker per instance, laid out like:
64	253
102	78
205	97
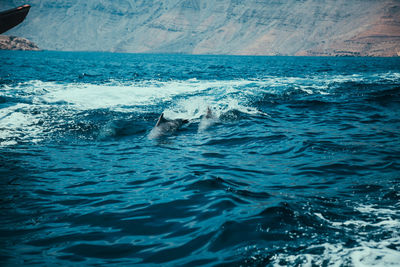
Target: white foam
115	94
390	76
127	95
18	123
8	143
376	210
368	252
89	96
190	108
206	123
374	256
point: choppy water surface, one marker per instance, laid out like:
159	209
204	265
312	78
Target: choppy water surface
298	164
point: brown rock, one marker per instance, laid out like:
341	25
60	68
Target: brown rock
16	43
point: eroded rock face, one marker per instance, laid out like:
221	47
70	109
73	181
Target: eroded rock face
380	36
16	43
251	27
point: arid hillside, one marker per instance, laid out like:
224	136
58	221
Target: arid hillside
252	27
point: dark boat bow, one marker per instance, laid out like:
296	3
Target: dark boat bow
12	17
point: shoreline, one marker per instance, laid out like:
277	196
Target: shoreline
322	55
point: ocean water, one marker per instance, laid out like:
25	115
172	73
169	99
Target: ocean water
297	164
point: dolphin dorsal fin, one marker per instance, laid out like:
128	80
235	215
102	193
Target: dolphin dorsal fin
209	113
160	119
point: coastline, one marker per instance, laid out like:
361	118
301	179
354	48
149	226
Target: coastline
298	55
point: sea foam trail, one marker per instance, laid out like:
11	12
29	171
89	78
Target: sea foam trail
115	94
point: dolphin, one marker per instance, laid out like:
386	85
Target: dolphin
209	114
165	126
207	120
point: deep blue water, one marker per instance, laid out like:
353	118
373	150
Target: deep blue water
299	163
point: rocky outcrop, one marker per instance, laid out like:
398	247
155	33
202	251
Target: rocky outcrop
252	27
16	43
380	36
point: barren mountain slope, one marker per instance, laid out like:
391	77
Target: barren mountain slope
255	27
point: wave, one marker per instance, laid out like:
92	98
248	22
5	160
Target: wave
306	238
116	93
380	251
33	109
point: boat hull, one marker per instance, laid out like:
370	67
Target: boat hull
12	17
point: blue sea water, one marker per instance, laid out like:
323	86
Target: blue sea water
298	164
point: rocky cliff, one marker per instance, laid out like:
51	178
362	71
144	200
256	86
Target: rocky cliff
254	27
16	43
